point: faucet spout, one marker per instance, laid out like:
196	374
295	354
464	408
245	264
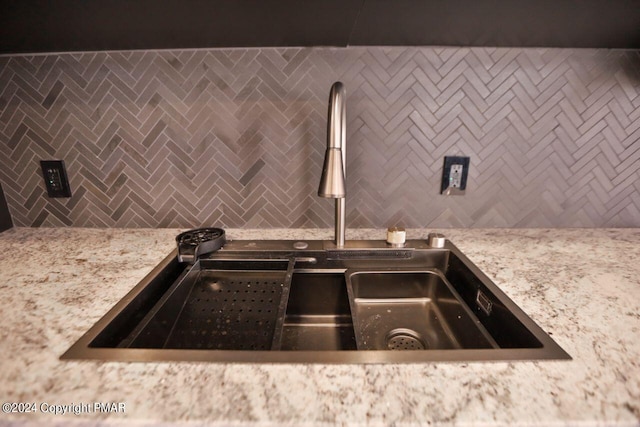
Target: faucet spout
332	181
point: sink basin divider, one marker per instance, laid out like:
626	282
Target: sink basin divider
276	343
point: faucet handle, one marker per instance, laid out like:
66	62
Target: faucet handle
436	240
396	236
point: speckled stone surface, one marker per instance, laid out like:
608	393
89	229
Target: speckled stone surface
581	285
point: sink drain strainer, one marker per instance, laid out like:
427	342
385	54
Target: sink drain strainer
404	339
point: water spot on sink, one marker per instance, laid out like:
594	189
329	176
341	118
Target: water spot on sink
215	286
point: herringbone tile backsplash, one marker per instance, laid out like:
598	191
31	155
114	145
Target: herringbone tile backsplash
235	137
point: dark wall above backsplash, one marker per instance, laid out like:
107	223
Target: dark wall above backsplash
236	137
524	23
90	25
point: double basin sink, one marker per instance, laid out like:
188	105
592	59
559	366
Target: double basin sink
309	302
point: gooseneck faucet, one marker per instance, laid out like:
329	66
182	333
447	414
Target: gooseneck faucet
332	181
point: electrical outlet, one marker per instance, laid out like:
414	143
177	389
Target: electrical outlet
55	178
454	175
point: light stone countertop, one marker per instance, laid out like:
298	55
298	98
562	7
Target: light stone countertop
580	285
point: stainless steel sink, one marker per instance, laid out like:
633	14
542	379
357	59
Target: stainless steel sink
266	301
412	310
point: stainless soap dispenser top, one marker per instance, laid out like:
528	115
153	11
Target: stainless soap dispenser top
332	181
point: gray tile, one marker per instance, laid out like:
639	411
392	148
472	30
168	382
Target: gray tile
235	137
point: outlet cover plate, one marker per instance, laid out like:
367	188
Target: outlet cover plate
454	175
55	178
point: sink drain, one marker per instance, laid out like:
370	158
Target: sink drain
404	339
